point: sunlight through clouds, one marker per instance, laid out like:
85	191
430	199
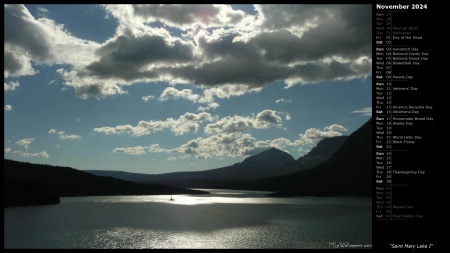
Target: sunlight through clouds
173	85
213	55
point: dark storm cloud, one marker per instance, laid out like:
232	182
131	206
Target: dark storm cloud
213	46
92	89
21	30
24	40
229	62
336	46
125	56
188	14
314	72
230	71
338	30
145	49
351	16
13	64
284	15
96	90
30	41
226	46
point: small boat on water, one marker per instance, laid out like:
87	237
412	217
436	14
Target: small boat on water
171	199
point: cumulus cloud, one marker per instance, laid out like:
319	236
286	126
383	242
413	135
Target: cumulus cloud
238	143
320	30
138	150
227	144
186	123
7	108
16	63
227	90
172	158
41	41
230	144
335	127
211	46
364	111
268	117
314	135
25	142
187	16
41	11
235	144
282	100
147	98
42	154
131	54
64	136
69	137
218	46
231	124
208	107
207	98
11	86
172	93
156	148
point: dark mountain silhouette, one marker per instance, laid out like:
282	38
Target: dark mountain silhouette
260	165
269	163
324	149
129	176
319	154
347	173
27	183
23	192
270	157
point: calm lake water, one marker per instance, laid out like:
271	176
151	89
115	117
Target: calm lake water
223	219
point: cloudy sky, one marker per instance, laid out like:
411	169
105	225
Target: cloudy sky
163	88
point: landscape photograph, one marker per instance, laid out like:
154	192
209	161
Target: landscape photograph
197	126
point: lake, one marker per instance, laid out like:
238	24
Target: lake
223	219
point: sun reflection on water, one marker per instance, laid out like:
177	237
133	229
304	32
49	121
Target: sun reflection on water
223	196
222	219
